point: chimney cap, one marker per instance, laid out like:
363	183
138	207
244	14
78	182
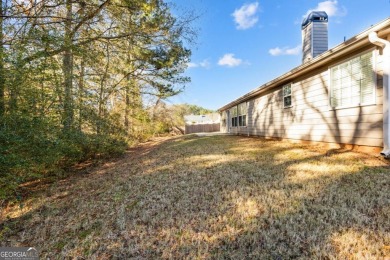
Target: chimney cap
315	16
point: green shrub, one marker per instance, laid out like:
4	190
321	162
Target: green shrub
32	148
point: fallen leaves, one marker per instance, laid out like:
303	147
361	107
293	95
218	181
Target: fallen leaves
214	197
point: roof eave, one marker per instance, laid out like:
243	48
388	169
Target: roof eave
350	45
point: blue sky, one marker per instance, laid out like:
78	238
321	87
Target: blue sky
244	44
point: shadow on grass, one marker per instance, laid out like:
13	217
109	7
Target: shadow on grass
216	197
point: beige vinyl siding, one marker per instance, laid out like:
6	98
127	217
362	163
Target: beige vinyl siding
311	117
224	123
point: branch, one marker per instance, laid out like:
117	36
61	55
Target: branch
89	17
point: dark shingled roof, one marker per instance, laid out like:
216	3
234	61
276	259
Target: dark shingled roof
315	16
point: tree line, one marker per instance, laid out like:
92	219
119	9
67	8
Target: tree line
77	78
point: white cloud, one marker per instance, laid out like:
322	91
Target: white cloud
203	64
245	17
192	65
229	60
285	51
330	7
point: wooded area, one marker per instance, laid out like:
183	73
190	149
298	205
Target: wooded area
83	79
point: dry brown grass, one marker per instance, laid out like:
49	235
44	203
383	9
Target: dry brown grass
214	197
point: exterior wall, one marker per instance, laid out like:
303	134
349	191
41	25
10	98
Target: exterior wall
311	117
224	122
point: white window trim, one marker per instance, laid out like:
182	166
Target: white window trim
291	94
239	115
374	65
231	117
246	115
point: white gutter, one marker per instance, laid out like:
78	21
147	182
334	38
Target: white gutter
385	45
323	59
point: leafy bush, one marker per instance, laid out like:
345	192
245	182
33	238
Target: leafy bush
32	148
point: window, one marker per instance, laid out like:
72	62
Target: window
233	115
234	121
238	115
287	96
242	109
353	82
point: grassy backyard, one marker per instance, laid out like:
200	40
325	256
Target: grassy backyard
212	197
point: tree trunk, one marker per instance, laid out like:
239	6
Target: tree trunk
102	105
81	76
2	74
13	88
133	103
13	96
127	108
67	68
81	92
129	92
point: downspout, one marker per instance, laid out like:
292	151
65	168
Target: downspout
385	45
246	118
